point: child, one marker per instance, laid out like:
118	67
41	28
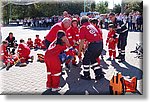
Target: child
37	42
43	44
53	62
6	58
73	37
24	52
30	43
112	42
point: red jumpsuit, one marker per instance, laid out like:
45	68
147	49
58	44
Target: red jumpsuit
24	52
5	57
112	43
43	45
53	65
30	44
73	37
53	32
37	43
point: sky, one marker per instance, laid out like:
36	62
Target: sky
110	2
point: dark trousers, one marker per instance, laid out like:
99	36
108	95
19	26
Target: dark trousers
133	27
47	43
92	53
122	42
130	26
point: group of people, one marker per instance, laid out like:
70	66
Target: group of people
38	43
87	41
9	54
69	38
133	21
47	21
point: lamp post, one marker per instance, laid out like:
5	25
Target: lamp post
84	6
10	17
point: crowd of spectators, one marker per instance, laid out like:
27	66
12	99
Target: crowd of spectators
133	20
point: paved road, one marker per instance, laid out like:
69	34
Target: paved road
32	78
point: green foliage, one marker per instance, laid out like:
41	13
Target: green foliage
117	8
40	9
93	6
133	5
102	7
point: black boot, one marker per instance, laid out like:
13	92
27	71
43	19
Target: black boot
67	66
86	76
98	77
118	57
99	74
122	59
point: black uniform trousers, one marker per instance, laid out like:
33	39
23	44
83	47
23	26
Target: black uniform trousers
122	42
91	54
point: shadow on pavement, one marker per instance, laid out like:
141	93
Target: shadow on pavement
37	28
77	86
129	71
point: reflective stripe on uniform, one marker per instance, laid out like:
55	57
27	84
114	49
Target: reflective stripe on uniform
95	68
123	53
57	74
48	73
117	35
122	25
95	64
112	49
69	37
124	30
86	70
122	50
86	66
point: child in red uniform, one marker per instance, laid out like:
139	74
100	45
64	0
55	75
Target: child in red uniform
112	42
24	52
37	42
43	44
30	43
73	37
6	58
52	60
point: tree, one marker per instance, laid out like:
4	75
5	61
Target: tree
93	6
102	7
133	5
117	8
40	9
106	3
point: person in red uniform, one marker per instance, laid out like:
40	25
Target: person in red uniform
30	43
95	46
7	59
73	37
43	44
23	52
53	62
37	42
111	42
94	22
51	36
